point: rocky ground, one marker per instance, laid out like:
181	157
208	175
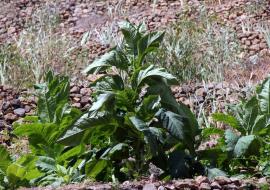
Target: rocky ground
199	183
200	97
80	16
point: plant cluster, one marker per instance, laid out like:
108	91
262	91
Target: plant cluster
39	48
246	142
134	122
133	126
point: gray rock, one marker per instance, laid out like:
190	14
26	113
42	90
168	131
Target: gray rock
150	186
223	180
201	179
215	185
19	112
10	117
205	186
75	89
161	188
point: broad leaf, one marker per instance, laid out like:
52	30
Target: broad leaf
178	126
154	73
231	139
5	159
46	164
113	58
264	96
246	146
95	167
207	132
101	100
53	97
229	120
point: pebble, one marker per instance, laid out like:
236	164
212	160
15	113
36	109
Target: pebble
19	112
149	187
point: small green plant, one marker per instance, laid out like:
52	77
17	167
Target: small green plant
135	119
246	141
47	162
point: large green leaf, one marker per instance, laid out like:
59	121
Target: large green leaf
152	136
147	44
75	151
231	139
246	146
103	62
117	153
101	100
23	170
108	83
95	167
246	114
148	108
53	97
154	73
264	96
37	133
179	127
46	164
229	120
112	58
168	102
207	132
74	135
132	35
261	125
5	159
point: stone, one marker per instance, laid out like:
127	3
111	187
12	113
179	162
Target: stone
19	112
255	47
215	185
205	186
187	183
201	179
231	187
10	117
161	188
236	181
222	180
85	91
85	100
100	187
76	99
5	105
11	30
27	108
149	187
77	105
16	103
262	180
201	92
75	89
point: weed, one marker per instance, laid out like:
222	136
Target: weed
265	30
199	49
41	47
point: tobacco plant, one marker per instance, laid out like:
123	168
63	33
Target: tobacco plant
248	138
47	163
135	119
